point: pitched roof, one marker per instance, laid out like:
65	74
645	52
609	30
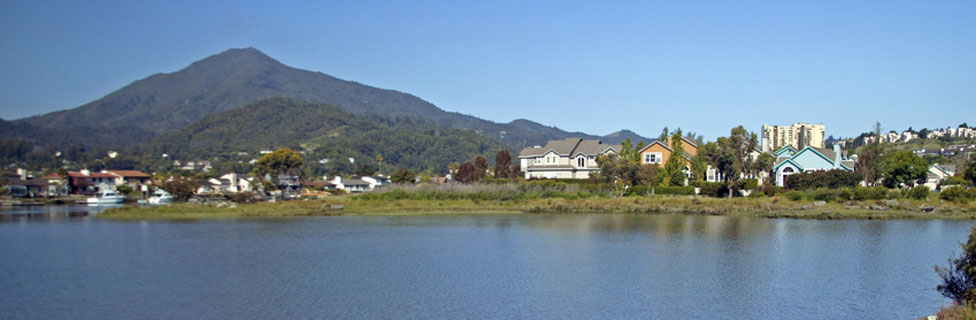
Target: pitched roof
569	147
666	146
829	153
130	173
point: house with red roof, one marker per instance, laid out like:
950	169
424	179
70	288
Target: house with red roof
87	182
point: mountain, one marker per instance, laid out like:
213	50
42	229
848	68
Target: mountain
619	137
322	131
166	102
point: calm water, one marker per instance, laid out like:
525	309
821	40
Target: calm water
532	266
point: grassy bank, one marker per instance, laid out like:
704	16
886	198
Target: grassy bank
774	207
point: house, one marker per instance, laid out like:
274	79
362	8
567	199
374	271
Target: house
571	158
936	174
809	159
359	184
658	153
87	182
233	182
132	178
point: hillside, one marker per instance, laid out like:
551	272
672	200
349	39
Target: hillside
61	138
323	132
166	102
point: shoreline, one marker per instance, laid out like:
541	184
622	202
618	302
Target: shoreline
742	207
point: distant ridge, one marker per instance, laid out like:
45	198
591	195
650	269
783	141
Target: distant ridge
166	102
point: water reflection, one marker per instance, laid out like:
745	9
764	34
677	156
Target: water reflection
51	213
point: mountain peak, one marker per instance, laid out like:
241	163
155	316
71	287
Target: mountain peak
236	57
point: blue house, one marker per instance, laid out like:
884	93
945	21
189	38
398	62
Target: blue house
789	161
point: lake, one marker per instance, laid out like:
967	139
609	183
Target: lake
617	266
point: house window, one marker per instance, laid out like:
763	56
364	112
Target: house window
652	157
580	162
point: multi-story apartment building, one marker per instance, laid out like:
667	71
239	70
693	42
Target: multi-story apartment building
798	136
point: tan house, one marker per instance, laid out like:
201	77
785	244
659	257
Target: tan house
658	153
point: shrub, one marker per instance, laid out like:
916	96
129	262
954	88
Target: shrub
240	197
955	181
956	312
748	184
956	194
823	179
822	194
771	189
793	195
676	190
959	277
870	193
714	189
918	193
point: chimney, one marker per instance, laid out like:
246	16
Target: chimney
837	156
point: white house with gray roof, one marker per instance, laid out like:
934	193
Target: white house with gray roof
571	158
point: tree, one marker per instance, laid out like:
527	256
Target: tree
403	175
630	151
699	168
877	132
466	173
620	171
281	162
969	173
516	171
902	168
866	165
365	170
379	162
959	277
480	166
674	173
649	175
763	163
502	162
664	135
730	155
180	188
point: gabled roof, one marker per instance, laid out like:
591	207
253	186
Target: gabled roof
784	149
819	152
653	142
666	146
570	146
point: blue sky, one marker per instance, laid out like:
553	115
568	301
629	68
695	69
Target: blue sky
589	66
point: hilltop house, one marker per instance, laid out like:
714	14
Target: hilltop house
789	161
571	158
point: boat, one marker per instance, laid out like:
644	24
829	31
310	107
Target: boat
106	197
160	197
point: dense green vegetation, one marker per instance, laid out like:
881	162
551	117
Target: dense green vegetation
322	132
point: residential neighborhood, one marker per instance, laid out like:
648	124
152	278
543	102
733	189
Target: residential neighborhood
783	151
